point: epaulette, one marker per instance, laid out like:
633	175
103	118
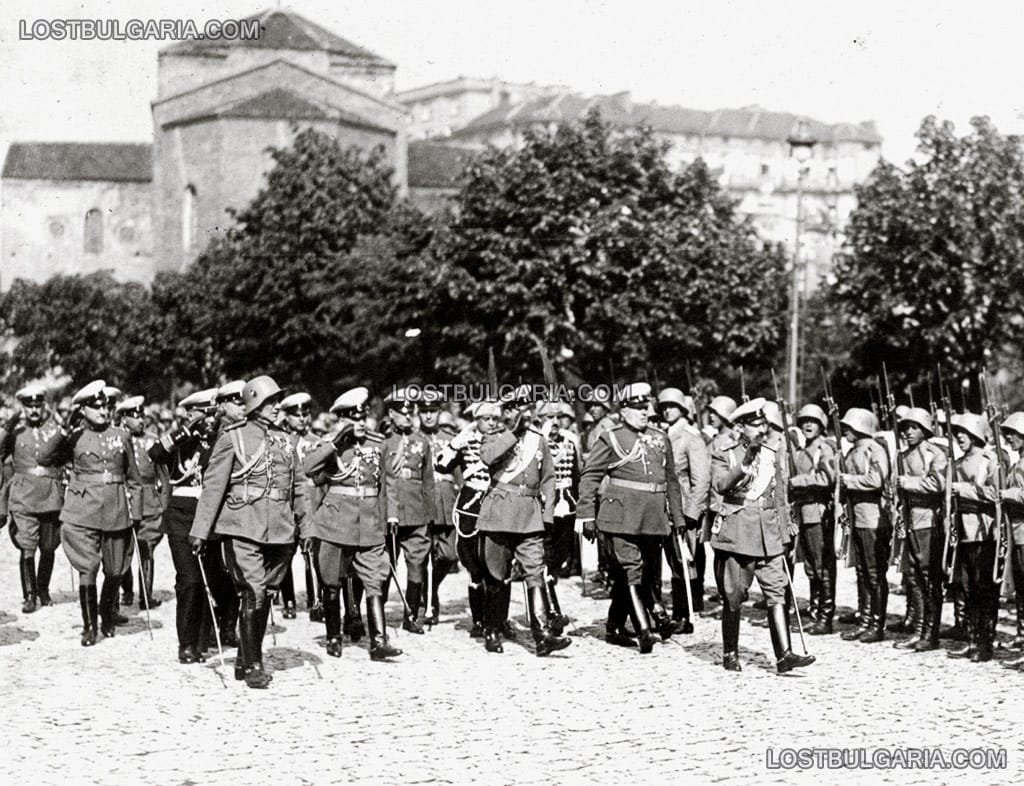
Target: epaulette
374	436
613	427
535	430
232	426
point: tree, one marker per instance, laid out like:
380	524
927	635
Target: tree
584	241
932	270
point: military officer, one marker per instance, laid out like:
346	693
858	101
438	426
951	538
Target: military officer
974	487
693	468
409	501
253	497
350	523
867	468
296	410
811	489
35	493
1013	507
749	536
184	451
639	505
154	481
922	484
514	514
105	486
719	413
443	540
463	453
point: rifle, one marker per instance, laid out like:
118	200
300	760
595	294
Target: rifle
843	513
952	539
898	501
698	398
794	516
1002	523
743	387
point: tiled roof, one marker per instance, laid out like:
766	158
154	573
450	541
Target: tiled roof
433	165
79	161
283	29
748	122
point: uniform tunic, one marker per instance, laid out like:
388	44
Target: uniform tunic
35	492
443	538
153	477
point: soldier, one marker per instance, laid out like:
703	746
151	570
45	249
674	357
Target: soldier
183	452
443	540
298	420
749	537
514	514
154	482
409	502
640	504
463	452
253	497
104	487
811	489
867	467
924	468
350	523
559	538
1013	507
974	488
35	493
693	468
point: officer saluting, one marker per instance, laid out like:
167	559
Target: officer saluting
641	503
253	497
748	537
35	492
349	524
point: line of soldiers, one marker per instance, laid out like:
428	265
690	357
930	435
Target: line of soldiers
242	483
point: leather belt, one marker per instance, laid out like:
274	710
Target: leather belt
44	472
760	503
409	474
477	484
563	483
636	485
443	477
521	490
187	491
353	491
99	477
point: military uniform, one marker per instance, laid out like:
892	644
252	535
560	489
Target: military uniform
349	525
640	499
304	445
35	495
443	540
750	536
1013	508
254	498
867	467
922	484
693	468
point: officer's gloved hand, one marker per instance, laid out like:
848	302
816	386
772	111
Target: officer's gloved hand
460	440
753	448
136	523
306	544
345	435
590	530
549	526
679	527
198	545
392	527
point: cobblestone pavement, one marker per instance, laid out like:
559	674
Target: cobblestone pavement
125	712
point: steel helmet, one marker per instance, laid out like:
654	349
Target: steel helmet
971	424
258	391
1014	422
723	406
812	412
919	416
862	421
672	396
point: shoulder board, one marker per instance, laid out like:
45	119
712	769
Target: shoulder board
535	430
730	445
374	436
613	427
233	426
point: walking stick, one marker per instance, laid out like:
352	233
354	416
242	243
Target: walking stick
430	589
213	613
583	571
401	595
687	559
142	571
796	605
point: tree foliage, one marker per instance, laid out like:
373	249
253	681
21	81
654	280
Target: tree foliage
932	268
585	240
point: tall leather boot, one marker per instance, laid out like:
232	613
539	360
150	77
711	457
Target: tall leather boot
128	585
910	617
879	598
826	606
413	597
353	626
645	639
380	649
508	629
244	637
986	628
441	568
680	609
252	633
660	620
731	638
29	589
494	615
958	632
43	575
919	610
615	627
929	635
1018	597
332	619
778	626
556	619
87	600
108	598
969	623
146	577
476	610
697	593
544	638
229	622
860	616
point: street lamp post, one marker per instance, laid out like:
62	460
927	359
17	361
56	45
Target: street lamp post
801	148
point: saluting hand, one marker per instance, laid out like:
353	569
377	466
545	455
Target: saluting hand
753	448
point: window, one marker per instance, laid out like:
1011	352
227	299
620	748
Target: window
189	224
93	232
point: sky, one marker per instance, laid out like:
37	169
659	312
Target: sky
891	62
